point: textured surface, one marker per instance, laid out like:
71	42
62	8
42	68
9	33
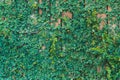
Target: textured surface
60	40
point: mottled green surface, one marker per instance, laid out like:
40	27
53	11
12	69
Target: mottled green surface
32	49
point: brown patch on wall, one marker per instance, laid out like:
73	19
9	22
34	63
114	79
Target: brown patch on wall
3	18
40	1
43	47
40	11
109	8
102	23
64	14
58	22
98	69
67	14
102	16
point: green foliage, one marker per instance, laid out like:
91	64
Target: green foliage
31	48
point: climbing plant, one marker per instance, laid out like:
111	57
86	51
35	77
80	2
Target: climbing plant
59	40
